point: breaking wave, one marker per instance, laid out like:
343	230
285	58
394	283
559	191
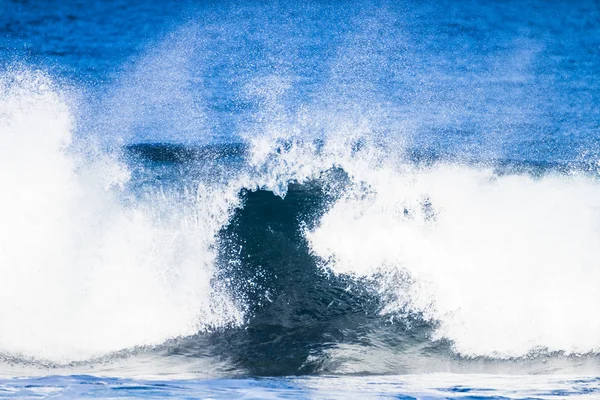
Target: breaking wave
315	245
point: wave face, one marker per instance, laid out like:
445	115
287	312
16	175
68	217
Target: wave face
317	189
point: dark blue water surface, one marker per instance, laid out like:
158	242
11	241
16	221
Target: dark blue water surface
182	92
515	79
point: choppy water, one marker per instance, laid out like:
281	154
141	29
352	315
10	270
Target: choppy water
392	387
266	199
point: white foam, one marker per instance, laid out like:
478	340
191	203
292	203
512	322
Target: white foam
82	274
506	265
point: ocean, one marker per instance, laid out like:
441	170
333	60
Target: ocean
319	199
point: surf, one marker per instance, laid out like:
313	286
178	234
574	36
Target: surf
363	202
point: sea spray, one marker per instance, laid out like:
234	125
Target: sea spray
85	272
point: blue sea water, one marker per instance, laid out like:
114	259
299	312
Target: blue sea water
392	387
273	199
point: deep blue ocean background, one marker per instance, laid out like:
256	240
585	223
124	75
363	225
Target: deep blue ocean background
320	199
513	79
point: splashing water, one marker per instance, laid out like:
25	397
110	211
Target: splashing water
83	273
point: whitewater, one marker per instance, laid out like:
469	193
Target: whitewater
331	204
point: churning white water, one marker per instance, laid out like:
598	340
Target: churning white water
506	265
81	273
